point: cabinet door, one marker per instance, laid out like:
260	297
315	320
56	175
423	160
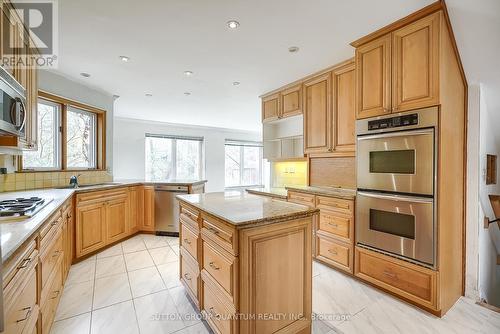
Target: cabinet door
291	101
344	109
149	209
90	228
373	68
271	107
317	114
416	64
133	212
116	219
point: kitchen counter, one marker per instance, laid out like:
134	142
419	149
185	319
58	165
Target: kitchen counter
280	193
15	233
337	192
242	209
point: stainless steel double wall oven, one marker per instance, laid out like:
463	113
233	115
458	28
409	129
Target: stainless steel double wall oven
396	177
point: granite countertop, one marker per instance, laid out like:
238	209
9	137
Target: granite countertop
15	233
337	192
268	191
242	209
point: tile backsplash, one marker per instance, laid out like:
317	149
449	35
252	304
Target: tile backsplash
37	180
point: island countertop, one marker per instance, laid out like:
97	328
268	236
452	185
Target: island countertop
242	209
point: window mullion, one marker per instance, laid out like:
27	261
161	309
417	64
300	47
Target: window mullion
174	158
63	134
242	160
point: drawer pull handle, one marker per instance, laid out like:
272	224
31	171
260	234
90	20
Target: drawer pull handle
56	253
213	230
187	241
212	264
56	293
24	263
333	252
389	274
333	225
186	276
213	313
27	314
53	223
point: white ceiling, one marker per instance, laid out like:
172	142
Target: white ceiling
165	38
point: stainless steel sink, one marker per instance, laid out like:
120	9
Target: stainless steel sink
90	185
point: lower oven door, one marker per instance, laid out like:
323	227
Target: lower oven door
402	225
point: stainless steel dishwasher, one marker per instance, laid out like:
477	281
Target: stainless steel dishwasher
167	209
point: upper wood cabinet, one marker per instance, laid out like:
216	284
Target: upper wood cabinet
291	101
411	54
317	114
344	109
415	64
270	107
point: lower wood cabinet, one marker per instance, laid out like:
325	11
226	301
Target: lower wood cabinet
148	223
90	228
334	252
117	215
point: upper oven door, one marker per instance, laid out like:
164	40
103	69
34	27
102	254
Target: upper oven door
397	162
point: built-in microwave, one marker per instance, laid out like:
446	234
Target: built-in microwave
12	105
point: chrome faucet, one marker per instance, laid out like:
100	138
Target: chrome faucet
73	181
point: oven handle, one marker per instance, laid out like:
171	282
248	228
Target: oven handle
398	134
400	198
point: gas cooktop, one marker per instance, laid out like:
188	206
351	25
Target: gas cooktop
21	208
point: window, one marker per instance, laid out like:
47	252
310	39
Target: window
71	136
173	157
243	163
47	156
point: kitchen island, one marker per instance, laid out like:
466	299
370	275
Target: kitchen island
245	261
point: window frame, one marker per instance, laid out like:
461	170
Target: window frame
174	138
242	144
65	104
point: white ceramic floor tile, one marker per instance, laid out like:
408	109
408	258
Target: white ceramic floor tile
81	272
198	328
111	251
175	248
187	311
110	266
145	281
138	260
134	244
75	325
75	300
110	290
154	241
170	274
163	255
172	240
116	319
156	313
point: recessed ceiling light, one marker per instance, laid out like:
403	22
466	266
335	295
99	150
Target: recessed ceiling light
233	24
124	58
293	49
188	73
116	97
187	93
148	94
85	75
236	83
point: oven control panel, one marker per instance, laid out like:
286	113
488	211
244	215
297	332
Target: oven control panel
393	122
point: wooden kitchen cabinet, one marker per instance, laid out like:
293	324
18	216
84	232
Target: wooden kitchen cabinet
317	114
291	101
270	107
133	210
344	107
149	209
90	228
116	219
373	68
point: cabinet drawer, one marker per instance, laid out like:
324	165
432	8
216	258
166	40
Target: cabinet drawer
49	229
190	276
190	217
49	305
332	223
220	233
101	196
406	279
16	269
334	252
221	267
335	204
189	240
301	198
50	257
24	307
219	317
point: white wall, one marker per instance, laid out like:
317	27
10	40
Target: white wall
129	147
57	84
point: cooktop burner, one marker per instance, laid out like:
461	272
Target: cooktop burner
21	207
